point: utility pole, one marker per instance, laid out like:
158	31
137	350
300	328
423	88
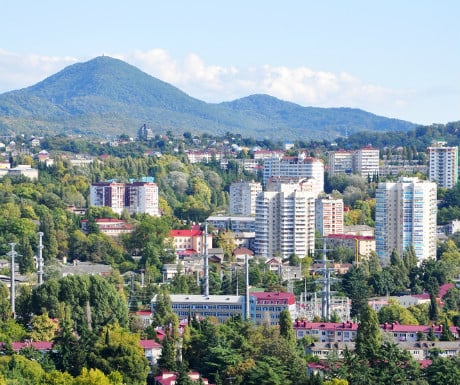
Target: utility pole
40	259
12	286
205	262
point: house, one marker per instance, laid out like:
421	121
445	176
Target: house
241	253
152	350
191	239
169	378
110	226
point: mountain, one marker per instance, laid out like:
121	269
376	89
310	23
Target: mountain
106	97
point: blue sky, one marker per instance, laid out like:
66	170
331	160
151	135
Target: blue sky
399	59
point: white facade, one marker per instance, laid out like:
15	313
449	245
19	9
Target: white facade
295	167
340	162
366	161
285	222
329	216
443	165
243	198
405	216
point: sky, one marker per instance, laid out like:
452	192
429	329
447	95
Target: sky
395	58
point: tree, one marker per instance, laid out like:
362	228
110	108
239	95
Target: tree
368	336
357	289
444	371
119	350
5	306
70	352
168	358
286	327
43	328
163	314
92	377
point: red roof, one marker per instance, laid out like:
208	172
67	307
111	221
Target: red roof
150	344
326	325
186	233
242	251
289	298
39	345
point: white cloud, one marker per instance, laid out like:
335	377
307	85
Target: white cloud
19	71
214	83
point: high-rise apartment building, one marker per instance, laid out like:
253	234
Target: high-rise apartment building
329	216
364	162
443	165
285	221
300	167
243	198
405	216
134	197
340	162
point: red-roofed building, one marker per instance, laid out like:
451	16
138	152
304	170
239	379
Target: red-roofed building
152	350
110	226
169	378
346	331
365	244
193	239
267	306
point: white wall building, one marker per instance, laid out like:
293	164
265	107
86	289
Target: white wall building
340	162
295	167
405	216
285	221
443	165
365	162
243	198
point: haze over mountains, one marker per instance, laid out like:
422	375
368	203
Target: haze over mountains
105	97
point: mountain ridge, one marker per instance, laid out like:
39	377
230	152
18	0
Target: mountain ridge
107	96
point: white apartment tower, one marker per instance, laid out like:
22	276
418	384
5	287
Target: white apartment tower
285	221
443	165
243	198
340	162
135	197
364	162
329	216
406	215
299	167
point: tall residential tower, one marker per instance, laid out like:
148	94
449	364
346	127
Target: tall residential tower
406	215
443	165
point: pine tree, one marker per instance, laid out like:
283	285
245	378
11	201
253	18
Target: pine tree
286	327
368	336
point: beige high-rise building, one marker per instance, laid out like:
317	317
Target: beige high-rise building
134	197
329	216
285	221
243	198
443	165
406	216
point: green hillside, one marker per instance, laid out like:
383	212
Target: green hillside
106	97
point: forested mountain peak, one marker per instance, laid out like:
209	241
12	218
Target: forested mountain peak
106	96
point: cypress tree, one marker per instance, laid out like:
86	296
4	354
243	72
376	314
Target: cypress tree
368	337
